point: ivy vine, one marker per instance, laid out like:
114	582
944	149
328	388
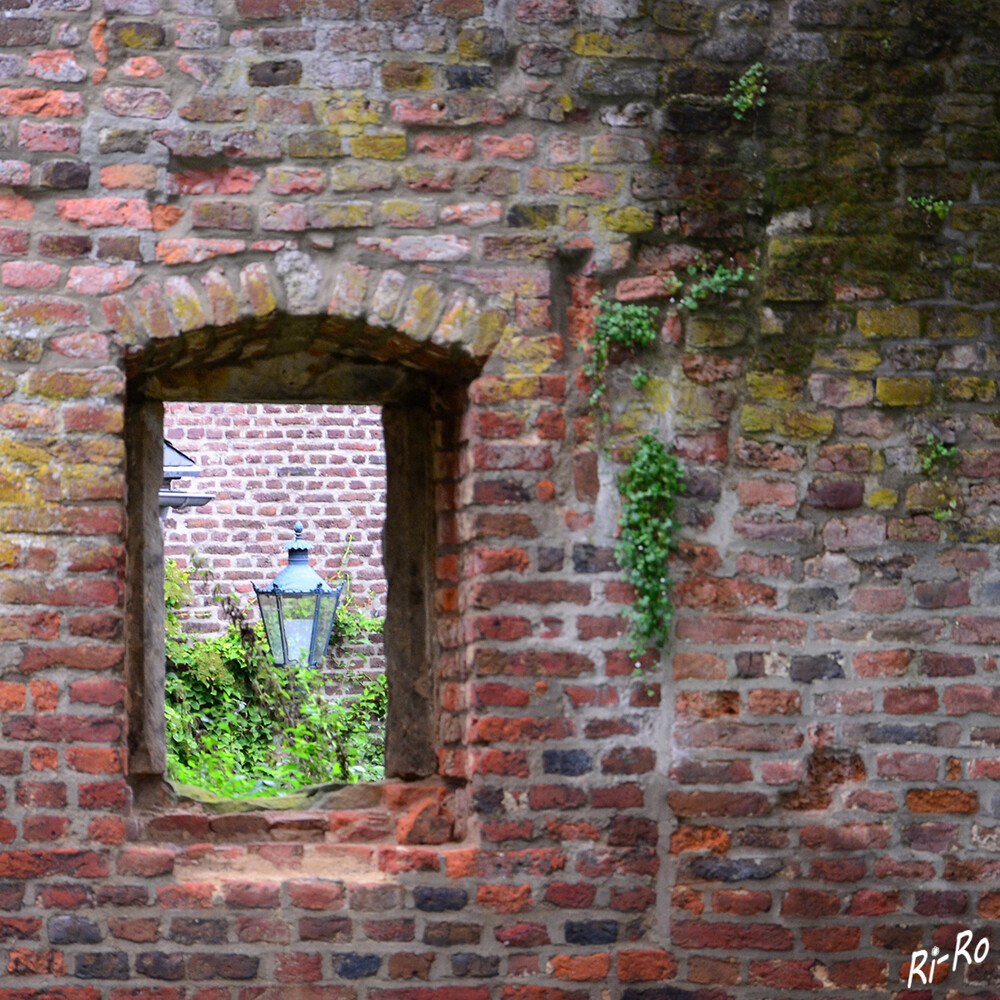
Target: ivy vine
649	487
718	282
931	205
748	91
629	324
937	459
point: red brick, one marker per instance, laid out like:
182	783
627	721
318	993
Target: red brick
316	894
632	899
504	898
185	895
910	700
882	663
456	146
30	274
580	968
514	147
871	903
859	973
741	902
764	937
98	212
298	967
13	697
727	629
942	800
810	903
786	974
138	929
645	965
146	861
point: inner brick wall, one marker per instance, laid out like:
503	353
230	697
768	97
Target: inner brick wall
268	465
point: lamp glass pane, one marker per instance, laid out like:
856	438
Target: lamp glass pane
327	612
272	623
299	614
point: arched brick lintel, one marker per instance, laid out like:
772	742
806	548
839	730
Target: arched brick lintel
431	321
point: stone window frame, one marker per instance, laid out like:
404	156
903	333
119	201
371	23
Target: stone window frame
410	550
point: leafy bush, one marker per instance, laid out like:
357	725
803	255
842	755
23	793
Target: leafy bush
240	726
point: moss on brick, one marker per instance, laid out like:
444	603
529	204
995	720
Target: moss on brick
710	332
774	386
898	323
892	391
629	220
379	147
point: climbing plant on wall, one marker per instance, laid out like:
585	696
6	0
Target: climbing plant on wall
629	325
653	479
649	487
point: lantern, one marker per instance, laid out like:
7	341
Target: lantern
298	609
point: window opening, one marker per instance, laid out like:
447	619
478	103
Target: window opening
421	418
238	724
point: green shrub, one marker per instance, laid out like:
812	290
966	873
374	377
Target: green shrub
240	726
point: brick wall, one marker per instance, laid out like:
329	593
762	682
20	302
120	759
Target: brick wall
377	201
268	466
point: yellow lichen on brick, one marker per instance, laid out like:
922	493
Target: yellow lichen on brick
458	317
10	555
702	331
955	323
923	497
188	312
697	407
852	359
599	45
807	424
629	220
492	326
528	355
403	212
15	489
354	110
764	386
132	39
92	482
657	394
968	389
98	451
379	147
593	43
882	499
421	311
755	418
899	322
257	290
904	391
28	415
